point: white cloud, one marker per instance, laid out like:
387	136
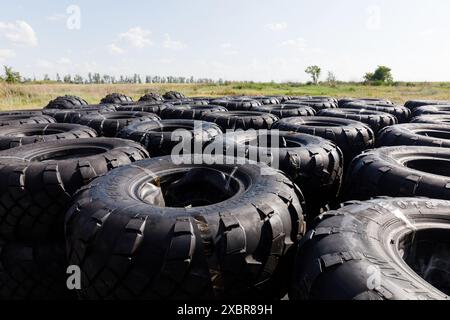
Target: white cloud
298	43
6	54
115	49
172	44
19	32
277	26
137	37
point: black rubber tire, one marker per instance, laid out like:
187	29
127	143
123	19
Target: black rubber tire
316	104
355	253
402	171
12	136
151	108
352	137
267	100
376	120
413	104
109	124
33	272
440	109
151	97
229	248
156	136
432	118
344	101
39	180
117	98
33	112
17	120
66	102
287	110
195	112
243	104
415	134
282	99
72	115
244	120
191	102
313	163
173	95
401	113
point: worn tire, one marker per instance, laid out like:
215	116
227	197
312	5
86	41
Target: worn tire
287	110
116	98
12	136
313	163
376	120
343	102
151	97
156	136
403	171
72	115
413	104
33	272
244	120
346	251
267	100
67	102
352	137
39	180
131	248
401	113
243	104
173	95
432	118
440	109
316	104
150	108
17	120
109	124
195	112
415	134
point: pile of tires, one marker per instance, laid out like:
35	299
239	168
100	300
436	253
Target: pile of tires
265	197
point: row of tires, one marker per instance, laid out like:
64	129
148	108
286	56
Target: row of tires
158	229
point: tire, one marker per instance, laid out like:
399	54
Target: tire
228	246
194	112
356	253
401	113
243	104
282	99
157	136
413	104
432	118
151	97
12	136
117	98
315	103
191	102
313	163
39	180
440	109
67	102
267	100
287	110
73	115
33	272
109	124
244	120
376	120
415	134
173	95
150	108
350	136
343	102
403	171
17	120
33	112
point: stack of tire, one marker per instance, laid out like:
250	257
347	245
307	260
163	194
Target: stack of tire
234	202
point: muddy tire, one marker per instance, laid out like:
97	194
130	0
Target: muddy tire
376	250
11	136
157	136
244	120
193	112
67	102
109	124
404	171
415	134
287	110
183	231
39	180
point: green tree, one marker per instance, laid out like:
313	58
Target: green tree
11	76
314	72
381	75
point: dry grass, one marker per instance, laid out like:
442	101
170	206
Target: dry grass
22	96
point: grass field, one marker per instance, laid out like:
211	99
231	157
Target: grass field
21	96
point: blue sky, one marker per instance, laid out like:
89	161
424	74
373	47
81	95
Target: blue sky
235	40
